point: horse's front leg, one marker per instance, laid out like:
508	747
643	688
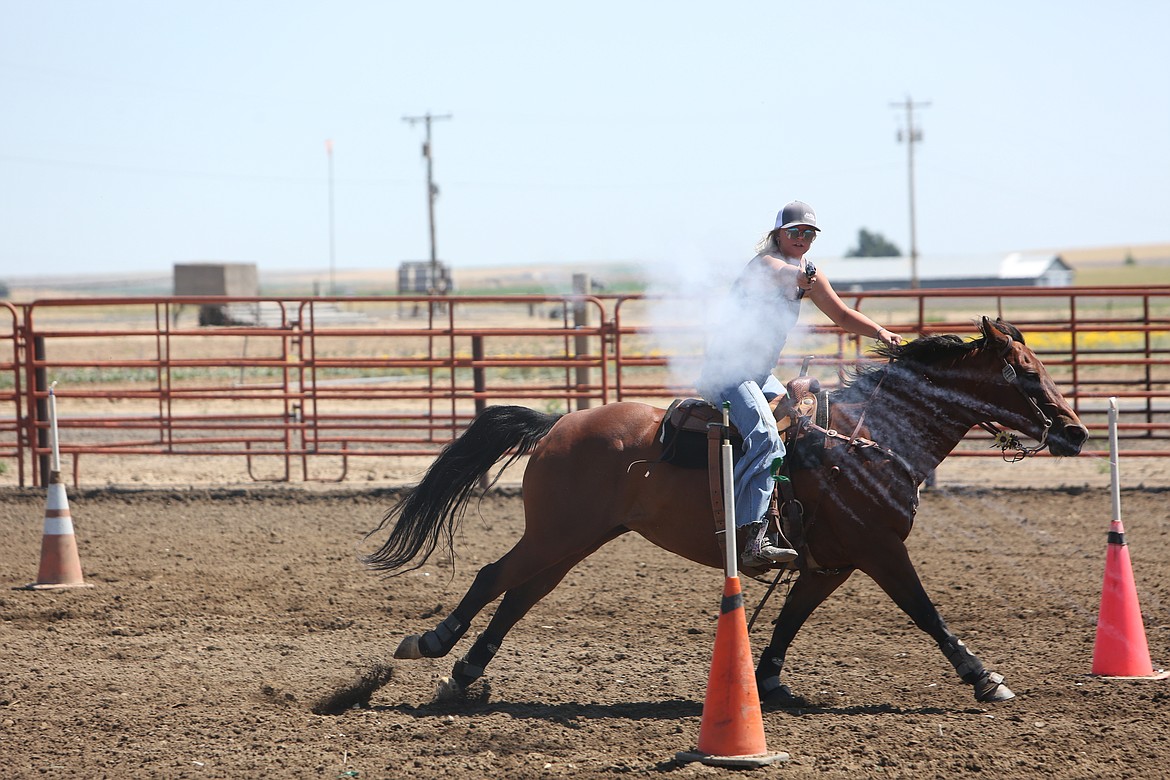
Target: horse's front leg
895	574
806	595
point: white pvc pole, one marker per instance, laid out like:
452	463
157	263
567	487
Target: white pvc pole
1114	475
731	557
55	466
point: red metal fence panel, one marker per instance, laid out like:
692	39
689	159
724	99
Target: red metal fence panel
12	444
1096	342
286	381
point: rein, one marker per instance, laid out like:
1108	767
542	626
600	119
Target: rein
855	439
1003	439
1013	449
868	401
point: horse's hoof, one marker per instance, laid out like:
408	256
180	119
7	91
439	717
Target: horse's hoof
776	694
448	690
991	688
451	691
409	648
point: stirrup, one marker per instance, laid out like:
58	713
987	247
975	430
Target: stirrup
750	560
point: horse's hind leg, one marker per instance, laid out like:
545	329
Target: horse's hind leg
806	595
489	583
522	563
515	605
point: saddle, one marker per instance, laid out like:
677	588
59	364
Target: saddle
691	435
688	421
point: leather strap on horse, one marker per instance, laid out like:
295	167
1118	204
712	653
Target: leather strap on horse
865	406
860	443
784	504
715	480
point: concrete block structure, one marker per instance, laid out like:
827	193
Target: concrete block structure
237	280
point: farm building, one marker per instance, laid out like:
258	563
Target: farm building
415	278
1018	269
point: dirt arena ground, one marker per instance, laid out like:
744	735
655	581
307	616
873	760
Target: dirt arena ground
219	617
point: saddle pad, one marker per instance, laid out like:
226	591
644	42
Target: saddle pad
683	433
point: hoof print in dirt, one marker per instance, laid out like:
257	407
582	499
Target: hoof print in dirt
273	694
356	693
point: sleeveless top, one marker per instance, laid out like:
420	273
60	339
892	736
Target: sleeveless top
749	329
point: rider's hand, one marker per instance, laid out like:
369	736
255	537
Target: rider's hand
805	280
888	337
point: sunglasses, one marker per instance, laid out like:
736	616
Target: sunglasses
808	234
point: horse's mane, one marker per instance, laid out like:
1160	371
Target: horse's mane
922	351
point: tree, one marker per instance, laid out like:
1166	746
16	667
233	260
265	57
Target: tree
873	245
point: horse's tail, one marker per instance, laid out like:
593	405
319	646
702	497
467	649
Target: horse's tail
437	503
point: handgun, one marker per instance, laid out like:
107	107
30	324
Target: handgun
810	273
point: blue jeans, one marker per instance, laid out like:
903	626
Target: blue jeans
761	445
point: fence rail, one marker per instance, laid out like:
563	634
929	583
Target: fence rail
297	379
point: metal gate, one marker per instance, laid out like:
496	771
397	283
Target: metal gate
285	381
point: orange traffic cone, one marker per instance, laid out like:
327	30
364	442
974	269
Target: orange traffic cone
60	564
731	733
1120	649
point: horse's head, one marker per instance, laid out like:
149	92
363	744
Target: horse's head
1026	398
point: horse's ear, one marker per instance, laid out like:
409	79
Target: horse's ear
993	334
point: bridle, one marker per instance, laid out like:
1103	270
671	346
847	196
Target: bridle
1013	449
1006	440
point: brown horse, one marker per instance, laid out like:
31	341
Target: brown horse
593	476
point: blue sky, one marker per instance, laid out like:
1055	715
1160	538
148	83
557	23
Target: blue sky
140	134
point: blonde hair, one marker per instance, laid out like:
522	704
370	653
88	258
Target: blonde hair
770	242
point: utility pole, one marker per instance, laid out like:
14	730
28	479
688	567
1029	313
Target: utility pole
332	253
432	190
911	135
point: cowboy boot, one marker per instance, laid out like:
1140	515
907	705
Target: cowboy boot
765	545
781	550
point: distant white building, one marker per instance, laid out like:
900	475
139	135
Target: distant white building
1018	269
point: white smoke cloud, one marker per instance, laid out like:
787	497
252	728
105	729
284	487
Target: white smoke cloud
691	301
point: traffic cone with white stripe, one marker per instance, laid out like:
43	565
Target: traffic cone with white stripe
60	564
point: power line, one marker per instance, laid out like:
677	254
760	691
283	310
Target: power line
188	174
